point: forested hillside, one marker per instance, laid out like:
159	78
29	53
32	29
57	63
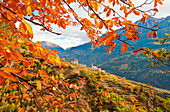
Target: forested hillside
129	66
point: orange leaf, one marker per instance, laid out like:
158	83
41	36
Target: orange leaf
149	34
43	73
126	15
100	24
124	48
154	21
137	51
154	53
43	3
110	38
22	28
110	1
136	12
11	86
12	70
96	22
117	2
7	75
38	43
160	2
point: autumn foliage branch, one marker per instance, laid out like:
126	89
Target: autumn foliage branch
28	66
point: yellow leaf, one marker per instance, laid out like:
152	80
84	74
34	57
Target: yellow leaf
29	28
57	60
29	10
38	85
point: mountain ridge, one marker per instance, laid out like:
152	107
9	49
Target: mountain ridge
52	46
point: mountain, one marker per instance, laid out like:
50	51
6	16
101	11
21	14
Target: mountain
132	67
52	46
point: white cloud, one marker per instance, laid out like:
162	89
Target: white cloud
72	36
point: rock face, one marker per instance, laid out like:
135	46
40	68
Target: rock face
52	46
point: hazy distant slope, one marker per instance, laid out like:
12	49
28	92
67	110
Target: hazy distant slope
52	46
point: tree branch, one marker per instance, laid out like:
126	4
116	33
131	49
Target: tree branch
31	21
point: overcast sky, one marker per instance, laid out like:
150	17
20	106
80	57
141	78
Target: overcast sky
72	36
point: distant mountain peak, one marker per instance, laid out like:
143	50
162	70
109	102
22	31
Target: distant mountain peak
52	46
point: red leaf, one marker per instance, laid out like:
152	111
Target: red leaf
154	34
149	34
31	47
106	8
136	12
124	48
155	3
2	80
113	4
108	13
155	9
